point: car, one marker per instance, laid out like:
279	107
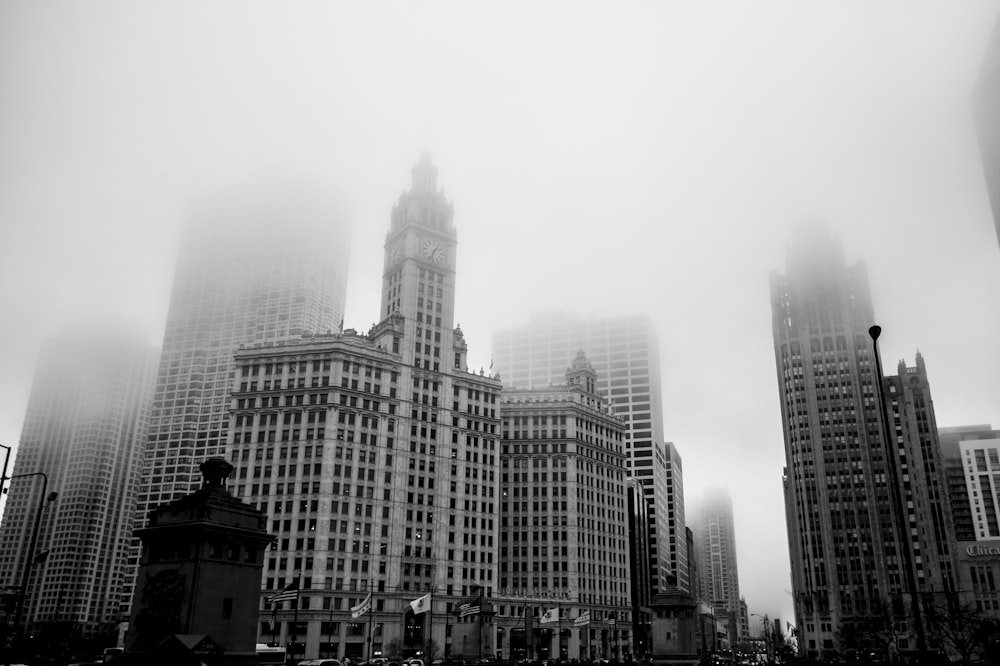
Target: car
320	662
415	662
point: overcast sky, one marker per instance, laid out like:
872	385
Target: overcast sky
604	158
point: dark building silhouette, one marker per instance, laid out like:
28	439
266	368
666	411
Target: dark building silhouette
199	576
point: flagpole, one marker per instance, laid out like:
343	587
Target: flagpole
295	615
274	621
371	617
444	643
329	631
430	629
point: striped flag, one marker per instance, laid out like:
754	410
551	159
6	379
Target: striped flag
290	591
612	621
363	607
469	608
582	620
551	615
421	605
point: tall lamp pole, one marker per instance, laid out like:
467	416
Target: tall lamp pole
902	529
29	561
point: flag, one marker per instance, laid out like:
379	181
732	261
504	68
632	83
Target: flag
612	621
582	620
791	628
469	608
363	607
551	615
290	591
421	605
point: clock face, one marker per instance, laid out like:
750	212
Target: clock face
395	254
433	251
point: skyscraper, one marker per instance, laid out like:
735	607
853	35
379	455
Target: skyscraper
85	429
563	543
625	353
374	456
972	463
849	497
252	267
970	456
711	521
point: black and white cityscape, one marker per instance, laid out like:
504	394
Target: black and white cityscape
436	334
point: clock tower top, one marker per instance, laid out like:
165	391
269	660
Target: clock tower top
424	174
418	277
423	205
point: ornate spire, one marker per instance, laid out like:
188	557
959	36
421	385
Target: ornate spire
424	174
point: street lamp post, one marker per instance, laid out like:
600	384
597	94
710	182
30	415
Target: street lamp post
903	533
29	561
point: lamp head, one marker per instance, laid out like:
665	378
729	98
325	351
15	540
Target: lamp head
874	332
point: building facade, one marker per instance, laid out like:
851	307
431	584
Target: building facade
625	353
85	429
711	521
564	551
972	463
375	459
850	552
252	267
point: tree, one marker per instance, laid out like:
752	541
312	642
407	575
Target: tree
964	630
394	651
875	632
430	651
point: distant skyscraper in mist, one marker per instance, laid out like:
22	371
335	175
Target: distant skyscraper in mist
625	353
844	512
252	267
85	429
987	115
711	522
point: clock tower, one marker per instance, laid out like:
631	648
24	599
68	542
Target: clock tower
418	281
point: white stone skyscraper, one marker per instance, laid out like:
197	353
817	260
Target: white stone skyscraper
253	266
85	430
625	353
375	458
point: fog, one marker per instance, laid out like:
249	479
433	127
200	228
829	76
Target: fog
603	158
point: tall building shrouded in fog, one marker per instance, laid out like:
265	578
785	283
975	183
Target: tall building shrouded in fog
85	429
252	267
375	458
626	355
851	554
711	521
987	116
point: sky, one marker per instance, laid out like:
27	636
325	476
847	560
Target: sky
603	159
